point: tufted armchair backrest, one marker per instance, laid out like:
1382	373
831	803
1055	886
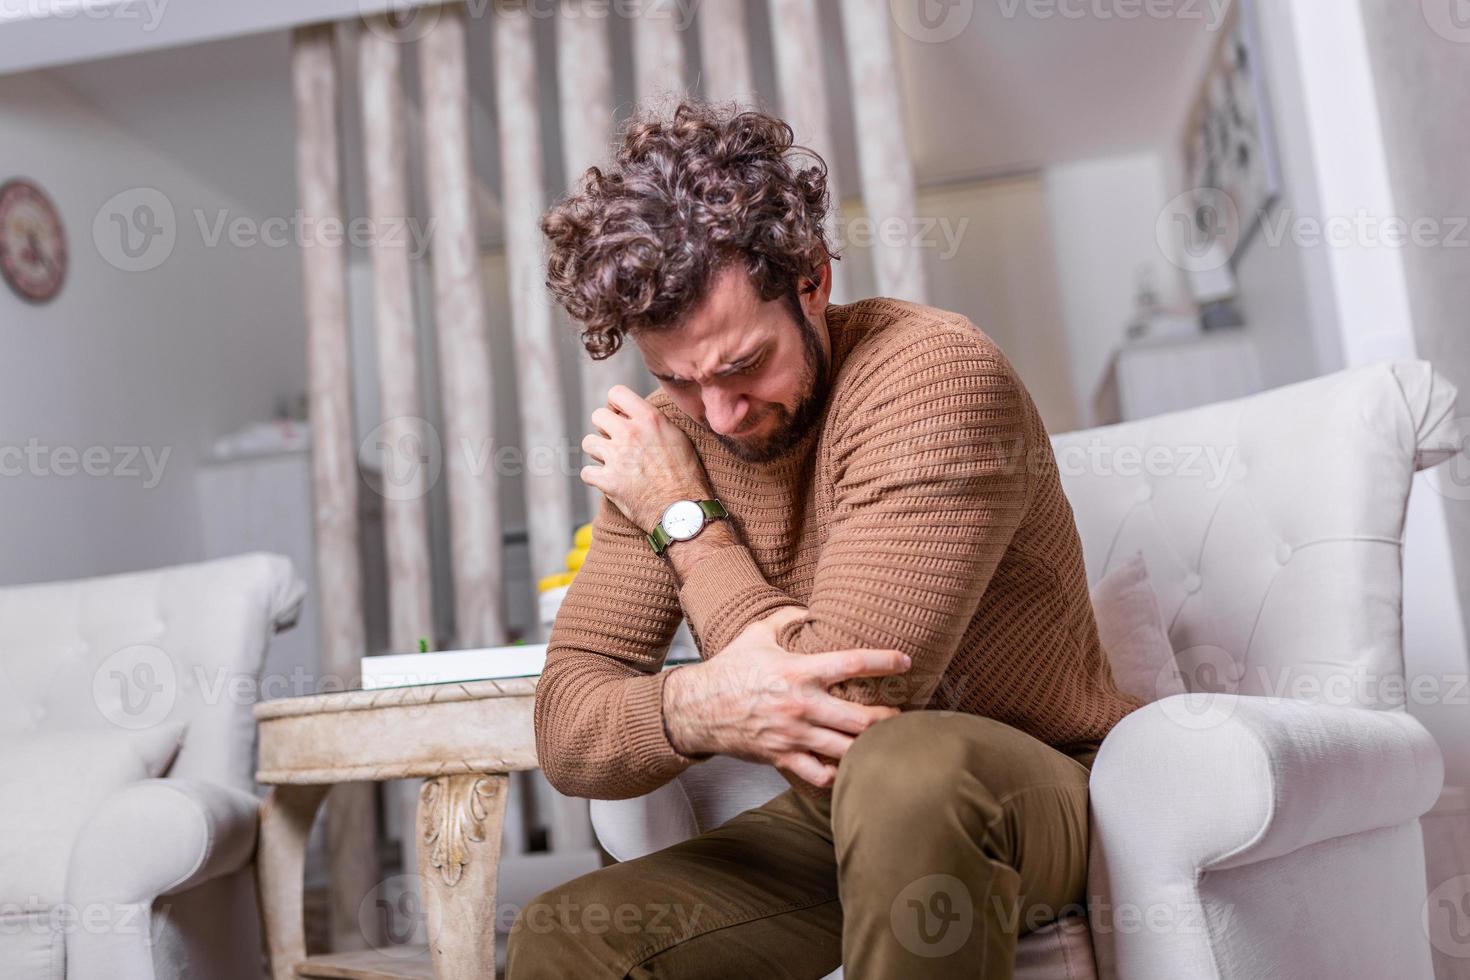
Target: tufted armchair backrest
1272	527
184	644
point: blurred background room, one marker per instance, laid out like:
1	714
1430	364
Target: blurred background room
275	284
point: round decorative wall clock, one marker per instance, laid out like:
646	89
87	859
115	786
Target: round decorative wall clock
32	241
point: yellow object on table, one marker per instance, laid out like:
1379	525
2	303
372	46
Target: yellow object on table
582	540
555	581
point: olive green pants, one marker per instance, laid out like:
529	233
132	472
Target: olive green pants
947	836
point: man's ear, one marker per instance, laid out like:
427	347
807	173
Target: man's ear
814	300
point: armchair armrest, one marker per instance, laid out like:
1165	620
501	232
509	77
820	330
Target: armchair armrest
152	838
1260	837
1209	781
160	837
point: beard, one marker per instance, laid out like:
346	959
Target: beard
792	424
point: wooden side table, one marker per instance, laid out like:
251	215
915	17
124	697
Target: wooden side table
463	739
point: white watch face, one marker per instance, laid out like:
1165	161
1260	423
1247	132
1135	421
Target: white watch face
683	520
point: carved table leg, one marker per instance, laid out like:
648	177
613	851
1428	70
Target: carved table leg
285	821
460	820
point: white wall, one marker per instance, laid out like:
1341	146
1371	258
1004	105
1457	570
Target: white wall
1276	304
1001	272
987	254
1103	215
165	359
1422	82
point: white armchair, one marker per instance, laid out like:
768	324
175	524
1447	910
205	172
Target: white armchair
1264	825
106	682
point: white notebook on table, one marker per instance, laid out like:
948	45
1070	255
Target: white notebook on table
452	666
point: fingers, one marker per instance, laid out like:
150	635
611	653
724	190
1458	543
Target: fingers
608	422
840	665
596	446
628	401
808	768
844	716
825	742
595	477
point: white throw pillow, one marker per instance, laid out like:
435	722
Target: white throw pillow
1133	633
50	784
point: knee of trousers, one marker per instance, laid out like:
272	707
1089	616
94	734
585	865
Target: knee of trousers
572	927
915	765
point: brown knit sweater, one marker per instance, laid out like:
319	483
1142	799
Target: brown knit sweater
924	513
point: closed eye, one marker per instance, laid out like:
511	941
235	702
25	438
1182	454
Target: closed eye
747	367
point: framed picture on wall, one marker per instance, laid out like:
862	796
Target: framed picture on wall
1230	152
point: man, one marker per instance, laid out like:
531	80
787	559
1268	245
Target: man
857	509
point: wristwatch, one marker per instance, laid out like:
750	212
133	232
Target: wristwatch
682	520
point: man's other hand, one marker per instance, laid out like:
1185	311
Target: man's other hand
759	702
642	461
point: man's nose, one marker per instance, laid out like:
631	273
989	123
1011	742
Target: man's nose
724	411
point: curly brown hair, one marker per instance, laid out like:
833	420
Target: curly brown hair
635	246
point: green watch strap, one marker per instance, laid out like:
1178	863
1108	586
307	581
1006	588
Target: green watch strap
658	538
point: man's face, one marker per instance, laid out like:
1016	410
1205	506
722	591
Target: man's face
744	367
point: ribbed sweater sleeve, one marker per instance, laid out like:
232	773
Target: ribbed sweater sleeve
930	485
599	703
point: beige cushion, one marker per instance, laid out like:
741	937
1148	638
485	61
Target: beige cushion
50	784
1133	632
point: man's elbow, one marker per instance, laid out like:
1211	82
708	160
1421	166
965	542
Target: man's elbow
569	775
554	758
566	764
566	780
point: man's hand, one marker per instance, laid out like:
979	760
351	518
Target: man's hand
758	702
644	462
